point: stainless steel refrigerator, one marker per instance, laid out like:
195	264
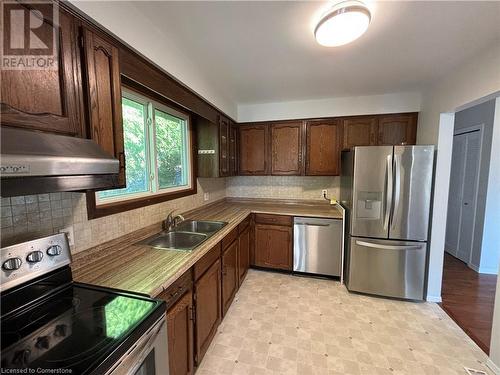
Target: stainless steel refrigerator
386	191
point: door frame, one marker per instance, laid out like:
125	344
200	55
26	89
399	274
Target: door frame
471	129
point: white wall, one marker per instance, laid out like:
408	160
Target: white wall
126	22
470	81
331	107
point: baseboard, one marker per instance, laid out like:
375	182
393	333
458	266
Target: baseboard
493	367
488	271
436	299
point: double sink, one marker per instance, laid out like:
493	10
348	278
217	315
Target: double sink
187	235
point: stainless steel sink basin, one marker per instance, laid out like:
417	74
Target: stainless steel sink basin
200	226
177	240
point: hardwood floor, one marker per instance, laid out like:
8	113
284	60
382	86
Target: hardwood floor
468	298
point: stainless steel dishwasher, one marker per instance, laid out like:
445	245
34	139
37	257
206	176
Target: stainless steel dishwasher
317	246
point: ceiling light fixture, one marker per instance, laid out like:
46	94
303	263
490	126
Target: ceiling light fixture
343	23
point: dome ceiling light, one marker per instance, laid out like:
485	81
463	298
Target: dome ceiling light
342	24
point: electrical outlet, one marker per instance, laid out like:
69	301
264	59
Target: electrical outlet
70	234
206	196
324	193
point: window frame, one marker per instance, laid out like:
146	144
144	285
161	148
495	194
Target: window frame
139	93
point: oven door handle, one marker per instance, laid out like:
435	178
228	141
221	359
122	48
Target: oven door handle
144	349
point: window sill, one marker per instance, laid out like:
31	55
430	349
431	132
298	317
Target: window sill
94	212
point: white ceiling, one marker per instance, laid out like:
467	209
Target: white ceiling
257	52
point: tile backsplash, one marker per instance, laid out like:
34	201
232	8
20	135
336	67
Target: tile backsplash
282	187
32	216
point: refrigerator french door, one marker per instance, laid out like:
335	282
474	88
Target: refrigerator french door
387	193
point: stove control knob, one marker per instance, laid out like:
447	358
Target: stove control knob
42	342
61	330
21	357
12	264
54	250
35	257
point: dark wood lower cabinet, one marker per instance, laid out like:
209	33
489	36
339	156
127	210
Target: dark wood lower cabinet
273	246
208	308
243	254
229	275
180	336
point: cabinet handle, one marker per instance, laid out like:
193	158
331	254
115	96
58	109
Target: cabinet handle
121	159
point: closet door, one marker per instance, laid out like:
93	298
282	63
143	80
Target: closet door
469	195
455	194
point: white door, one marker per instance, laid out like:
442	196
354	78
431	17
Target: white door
455	195
463	194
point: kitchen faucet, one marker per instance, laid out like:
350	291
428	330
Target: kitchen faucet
171	221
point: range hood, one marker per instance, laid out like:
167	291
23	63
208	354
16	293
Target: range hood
34	162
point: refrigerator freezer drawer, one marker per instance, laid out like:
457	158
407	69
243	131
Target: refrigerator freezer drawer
317	246
387	268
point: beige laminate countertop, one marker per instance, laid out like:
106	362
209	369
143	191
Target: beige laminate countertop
122	264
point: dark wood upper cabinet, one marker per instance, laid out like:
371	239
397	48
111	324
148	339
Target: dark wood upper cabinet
360	131
224	129
104	96
286	148
208	308
253	142
273	246
323	148
180	336
229	275
233	150
243	254
397	129
47	100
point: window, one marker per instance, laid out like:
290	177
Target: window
157	150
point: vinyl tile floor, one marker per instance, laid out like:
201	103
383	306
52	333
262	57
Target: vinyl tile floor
284	324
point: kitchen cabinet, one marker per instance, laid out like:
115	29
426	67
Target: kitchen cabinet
50	99
286	148
253	145
323	147
398	129
360	131
229	275
233	150
104	96
273	242
180	336
224	130
208	307
243	250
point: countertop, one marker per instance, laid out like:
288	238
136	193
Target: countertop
122	264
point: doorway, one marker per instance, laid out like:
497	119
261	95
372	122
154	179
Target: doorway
470	264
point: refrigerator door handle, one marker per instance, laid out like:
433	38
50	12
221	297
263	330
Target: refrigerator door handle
397	186
388	247
388	191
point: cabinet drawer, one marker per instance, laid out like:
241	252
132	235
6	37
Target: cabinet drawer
230	237
175	291
206	261
274	219
245	223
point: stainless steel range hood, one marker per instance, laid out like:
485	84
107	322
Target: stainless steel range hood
34	162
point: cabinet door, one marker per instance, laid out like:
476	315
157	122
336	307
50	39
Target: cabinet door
323	148
208	308
273	246
286	148
243	254
397	129
47	100
180	336
359	131
253	158
233	146
104	97
223	146
229	275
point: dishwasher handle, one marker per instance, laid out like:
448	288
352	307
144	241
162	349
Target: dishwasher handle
313	224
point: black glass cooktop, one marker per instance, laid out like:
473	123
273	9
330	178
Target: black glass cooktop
77	330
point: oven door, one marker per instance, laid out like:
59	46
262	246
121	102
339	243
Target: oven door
149	356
